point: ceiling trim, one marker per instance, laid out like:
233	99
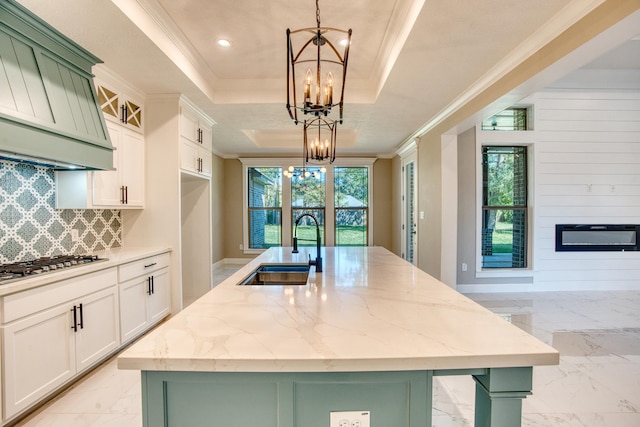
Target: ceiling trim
151	18
562	21
397	32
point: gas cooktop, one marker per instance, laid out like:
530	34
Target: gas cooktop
23	270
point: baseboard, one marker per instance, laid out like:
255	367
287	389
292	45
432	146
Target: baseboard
502	287
547	287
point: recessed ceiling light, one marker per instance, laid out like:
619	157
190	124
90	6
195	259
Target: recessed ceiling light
343	42
224	43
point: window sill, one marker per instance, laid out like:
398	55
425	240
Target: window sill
504	272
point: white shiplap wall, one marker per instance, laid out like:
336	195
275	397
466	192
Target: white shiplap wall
587	171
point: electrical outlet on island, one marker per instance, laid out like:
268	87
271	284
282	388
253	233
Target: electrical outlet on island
349	419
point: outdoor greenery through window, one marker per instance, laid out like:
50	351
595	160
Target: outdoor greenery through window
351	193
265	207
504	207
308	195
509	119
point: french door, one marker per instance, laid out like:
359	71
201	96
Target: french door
410	208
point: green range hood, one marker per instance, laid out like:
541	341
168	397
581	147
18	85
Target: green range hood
49	112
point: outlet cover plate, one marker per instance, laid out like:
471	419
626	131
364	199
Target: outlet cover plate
350	419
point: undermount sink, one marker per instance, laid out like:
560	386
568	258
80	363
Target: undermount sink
278	275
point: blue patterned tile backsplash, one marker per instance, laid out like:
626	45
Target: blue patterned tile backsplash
31	226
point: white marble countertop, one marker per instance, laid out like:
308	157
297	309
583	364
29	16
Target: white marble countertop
114	257
369	310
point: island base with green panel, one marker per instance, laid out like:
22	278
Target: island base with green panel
369	333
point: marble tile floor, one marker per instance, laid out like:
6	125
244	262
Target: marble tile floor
597	383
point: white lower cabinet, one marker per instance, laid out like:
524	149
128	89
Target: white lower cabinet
52	334
144	295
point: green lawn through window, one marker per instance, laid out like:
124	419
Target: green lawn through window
346	235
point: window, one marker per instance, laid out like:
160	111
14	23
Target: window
351	201
338	196
265	207
308	195
504	207
509	119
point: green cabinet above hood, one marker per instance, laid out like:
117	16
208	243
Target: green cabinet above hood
48	103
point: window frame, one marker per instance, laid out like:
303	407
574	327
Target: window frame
261	208
310	209
366	209
521	207
505	138
286	213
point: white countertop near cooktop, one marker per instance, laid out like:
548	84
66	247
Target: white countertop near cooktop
114	257
369	310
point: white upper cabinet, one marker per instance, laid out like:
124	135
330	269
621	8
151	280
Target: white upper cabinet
120	107
196	140
124	187
195	159
195	127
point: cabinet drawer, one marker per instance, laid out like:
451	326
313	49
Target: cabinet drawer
141	267
22	304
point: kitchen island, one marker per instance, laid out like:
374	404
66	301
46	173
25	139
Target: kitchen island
366	334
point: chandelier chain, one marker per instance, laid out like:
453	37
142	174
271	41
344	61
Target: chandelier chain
318	12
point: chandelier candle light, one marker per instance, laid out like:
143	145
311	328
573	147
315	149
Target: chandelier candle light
319	50
320	140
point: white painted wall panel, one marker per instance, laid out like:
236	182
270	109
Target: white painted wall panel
587	170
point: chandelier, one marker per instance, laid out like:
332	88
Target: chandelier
320	141
323	52
294	173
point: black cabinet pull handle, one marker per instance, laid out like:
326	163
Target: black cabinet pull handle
149	285
150	265
126	194
122	194
75	319
124	114
81	317
153	285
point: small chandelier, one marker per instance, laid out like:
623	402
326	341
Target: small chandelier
319	50
320	140
302	173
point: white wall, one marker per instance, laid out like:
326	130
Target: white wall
587	171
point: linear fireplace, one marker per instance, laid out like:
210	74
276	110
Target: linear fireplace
597	237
